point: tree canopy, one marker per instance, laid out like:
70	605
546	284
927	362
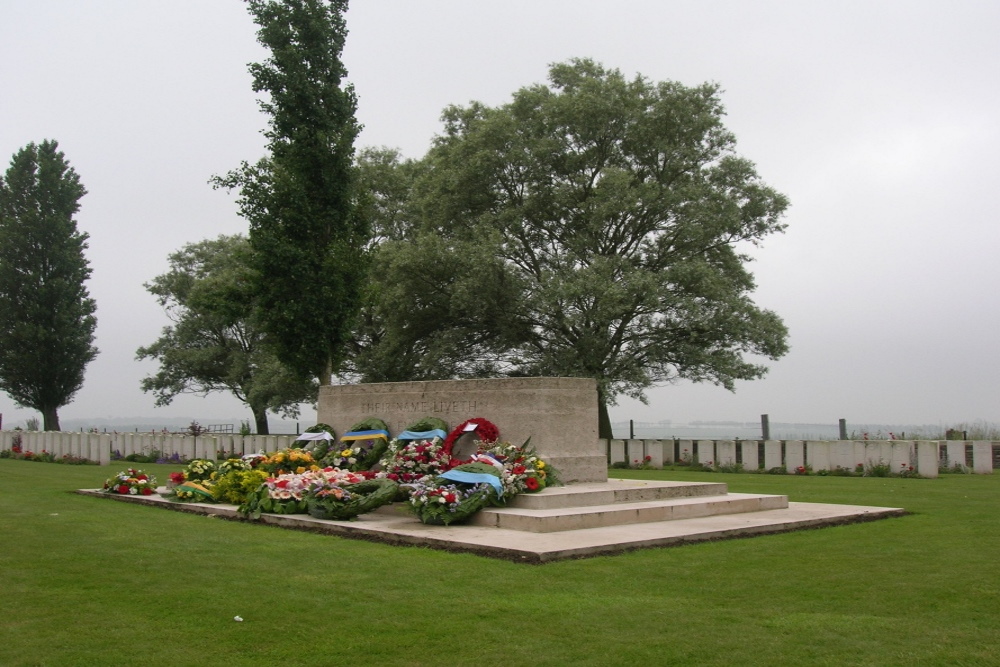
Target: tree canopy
305	232
48	322
611	217
214	343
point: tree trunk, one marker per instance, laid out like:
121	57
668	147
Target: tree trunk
260	419
603	418
50	419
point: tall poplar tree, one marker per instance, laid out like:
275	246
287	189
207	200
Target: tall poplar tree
305	232
47	322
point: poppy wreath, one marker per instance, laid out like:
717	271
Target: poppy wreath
486	430
359	454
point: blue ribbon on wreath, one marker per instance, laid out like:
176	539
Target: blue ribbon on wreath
475	478
422	435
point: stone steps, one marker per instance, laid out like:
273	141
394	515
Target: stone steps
619	503
614	491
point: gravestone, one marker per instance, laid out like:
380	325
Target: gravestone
558	414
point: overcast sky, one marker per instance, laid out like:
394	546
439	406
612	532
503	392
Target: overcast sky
877	118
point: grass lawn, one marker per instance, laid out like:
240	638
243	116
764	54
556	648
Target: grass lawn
87	581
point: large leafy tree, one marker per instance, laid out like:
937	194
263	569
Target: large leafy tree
214	343
305	231
47	322
429	309
621	216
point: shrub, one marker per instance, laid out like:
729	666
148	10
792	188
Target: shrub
880	469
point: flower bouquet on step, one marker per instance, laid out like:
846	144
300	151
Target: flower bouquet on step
131	482
194	483
233	465
198	470
343	499
285	493
288	461
237	485
277	495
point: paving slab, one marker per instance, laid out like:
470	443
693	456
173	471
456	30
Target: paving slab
393	524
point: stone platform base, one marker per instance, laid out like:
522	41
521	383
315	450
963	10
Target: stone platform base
576	521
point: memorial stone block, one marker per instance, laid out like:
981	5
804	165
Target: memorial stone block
559	415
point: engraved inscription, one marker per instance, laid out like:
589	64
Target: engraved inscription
428	407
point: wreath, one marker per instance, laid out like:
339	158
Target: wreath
523	470
427	424
441	502
486	430
318	448
427	429
356	452
410	461
342	503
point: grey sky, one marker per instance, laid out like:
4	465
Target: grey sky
877	118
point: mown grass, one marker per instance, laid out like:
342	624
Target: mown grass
88	581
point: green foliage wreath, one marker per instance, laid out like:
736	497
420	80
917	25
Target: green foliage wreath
318	448
351	500
359	454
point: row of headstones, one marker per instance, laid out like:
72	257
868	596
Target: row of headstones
925	456
100	446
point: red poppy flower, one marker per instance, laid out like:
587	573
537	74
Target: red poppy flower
531	483
518	469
